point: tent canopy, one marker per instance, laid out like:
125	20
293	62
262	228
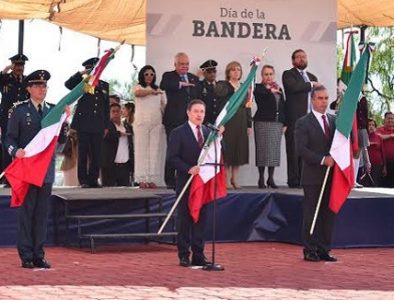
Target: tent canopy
125	19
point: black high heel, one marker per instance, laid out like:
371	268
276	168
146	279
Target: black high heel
271	184
261	184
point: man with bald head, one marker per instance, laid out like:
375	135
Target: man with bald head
180	88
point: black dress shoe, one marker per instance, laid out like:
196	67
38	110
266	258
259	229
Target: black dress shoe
327	257
28	264
95	185
201	261
184	262
41	263
311	256
85	186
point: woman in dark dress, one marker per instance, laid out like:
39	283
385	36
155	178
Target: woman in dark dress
235	137
269	125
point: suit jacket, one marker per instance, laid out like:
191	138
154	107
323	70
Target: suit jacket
23	125
267	109
296	90
312	145
92	111
111	142
177	98
183	152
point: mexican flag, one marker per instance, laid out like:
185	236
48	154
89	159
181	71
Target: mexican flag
202	190
33	167
343	174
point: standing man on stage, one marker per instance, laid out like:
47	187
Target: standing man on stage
180	88
184	148
298	84
23	125
12	91
313	134
205	91
90	120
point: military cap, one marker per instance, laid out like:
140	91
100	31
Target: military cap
209	64
90	63
39	76
19	59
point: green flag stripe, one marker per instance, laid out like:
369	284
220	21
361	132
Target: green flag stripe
349	103
235	101
55	114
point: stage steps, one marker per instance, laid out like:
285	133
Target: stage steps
93	236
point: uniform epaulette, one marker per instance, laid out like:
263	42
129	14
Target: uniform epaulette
15	105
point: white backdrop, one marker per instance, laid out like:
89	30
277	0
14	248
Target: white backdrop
238	30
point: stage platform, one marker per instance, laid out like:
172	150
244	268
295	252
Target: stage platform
249	214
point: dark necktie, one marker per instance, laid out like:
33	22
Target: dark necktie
40	109
326	127
200	139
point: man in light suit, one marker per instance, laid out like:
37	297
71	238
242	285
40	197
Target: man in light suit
298	84
180	88
184	149
313	134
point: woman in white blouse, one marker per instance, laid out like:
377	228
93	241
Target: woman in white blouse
149	105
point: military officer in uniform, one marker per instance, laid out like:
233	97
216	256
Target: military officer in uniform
12	90
24	123
90	120
205	91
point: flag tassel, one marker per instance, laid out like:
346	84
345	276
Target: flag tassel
319	201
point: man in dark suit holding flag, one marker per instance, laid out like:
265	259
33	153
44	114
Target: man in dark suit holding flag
313	134
184	148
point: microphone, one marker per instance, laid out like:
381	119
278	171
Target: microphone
212	127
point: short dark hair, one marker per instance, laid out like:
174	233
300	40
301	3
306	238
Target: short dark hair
114	105
194	102
295	52
372	120
116	97
387	113
317	89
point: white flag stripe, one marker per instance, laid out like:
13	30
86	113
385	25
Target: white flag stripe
340	150
43	138
207	172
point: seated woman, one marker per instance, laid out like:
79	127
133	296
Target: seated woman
376	154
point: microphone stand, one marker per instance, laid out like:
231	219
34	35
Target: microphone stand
214	266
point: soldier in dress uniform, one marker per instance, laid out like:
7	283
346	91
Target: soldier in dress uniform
90	120
12	90
23	125
205	91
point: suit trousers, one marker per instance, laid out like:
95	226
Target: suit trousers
32	222
169	172
89	145
190	234
320	241
294	163
116	175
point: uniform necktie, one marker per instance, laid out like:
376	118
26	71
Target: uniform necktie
40	109
326	127
200	139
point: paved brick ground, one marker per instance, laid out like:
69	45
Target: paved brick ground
253	271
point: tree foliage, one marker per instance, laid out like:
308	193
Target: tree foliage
380	88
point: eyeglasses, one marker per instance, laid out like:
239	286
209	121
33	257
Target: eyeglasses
149	74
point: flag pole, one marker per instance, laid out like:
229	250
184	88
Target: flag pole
2	174
319	201
200	160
